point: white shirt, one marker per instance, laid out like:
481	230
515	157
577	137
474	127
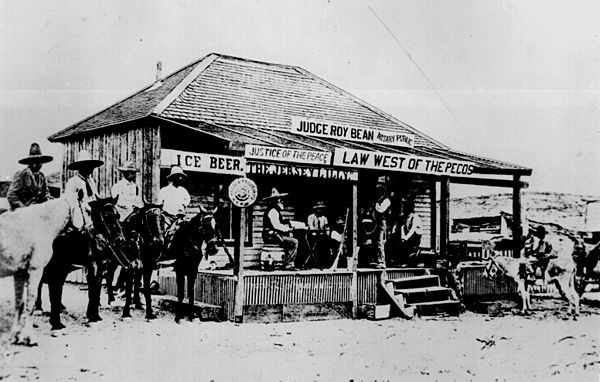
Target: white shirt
382	206
412	225
129	196
173	199
316	222
77	183
275	219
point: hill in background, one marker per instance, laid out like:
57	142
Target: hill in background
566	210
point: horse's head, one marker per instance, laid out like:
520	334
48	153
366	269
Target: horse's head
105	219
205	224
154	224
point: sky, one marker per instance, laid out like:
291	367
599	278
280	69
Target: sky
517	81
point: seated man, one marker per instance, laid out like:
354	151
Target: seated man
276	229
408	236
319	230
537	251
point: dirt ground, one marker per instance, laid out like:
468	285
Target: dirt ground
472	347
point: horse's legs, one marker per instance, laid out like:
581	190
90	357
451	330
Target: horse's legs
524	296
128	280
180	277
110	275
38	300
94	278
56	280
20	278
148	267
191	280
137	285
26	336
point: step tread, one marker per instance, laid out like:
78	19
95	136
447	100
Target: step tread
433	303
423	289
412	278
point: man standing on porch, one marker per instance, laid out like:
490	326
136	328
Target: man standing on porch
276	229
381	210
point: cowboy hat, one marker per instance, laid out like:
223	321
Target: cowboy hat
84	159
320	204
176	170
275	194
540	231
35	155
128	166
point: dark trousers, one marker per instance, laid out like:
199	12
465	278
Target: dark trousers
405	252
289	245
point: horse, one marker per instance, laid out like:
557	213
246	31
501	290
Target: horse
144	230
186	248
94	249
560	271
588	267
26	237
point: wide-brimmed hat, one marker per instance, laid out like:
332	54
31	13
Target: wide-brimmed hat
540	231
176	170
128	166
320	205
84	159
275	194
35	155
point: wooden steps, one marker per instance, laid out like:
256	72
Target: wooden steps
421	295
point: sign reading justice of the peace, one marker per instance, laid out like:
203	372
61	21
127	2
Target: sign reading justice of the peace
283	154
306	172
243	192
201	162
399	162
326	129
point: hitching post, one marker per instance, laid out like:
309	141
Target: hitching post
238	311
517	227
354	261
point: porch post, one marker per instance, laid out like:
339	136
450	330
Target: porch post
433	215
444	216
517	227
238	311
354	261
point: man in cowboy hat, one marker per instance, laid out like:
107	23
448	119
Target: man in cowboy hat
406	234
381	211
537	250
82	184
174	197
319	229
276	230
127	191
29	185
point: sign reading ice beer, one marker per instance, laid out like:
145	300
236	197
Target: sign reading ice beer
398	162
283	154
325	129
201	162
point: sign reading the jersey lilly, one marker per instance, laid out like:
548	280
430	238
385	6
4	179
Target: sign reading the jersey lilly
189	161
398	162
326	129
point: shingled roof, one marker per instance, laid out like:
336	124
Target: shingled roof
221	92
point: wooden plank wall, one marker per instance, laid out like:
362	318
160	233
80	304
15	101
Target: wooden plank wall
140	145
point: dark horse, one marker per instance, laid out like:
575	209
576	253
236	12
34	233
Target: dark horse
93	249
186	248
144	231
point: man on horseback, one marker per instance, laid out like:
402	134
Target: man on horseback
82	183
127	191
174	198
29	185
537	250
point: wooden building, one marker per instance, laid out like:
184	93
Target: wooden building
223	117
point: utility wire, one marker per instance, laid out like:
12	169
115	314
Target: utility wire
417	65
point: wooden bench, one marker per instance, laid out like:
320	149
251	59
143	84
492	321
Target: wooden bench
271	255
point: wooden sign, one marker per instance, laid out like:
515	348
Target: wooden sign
201	162
301	171
327	129
399	162
284	154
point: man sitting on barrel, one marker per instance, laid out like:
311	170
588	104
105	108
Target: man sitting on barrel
276	229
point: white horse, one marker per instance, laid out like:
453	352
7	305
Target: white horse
560	271
26	236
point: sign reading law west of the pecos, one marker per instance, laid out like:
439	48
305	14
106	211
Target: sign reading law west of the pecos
243	192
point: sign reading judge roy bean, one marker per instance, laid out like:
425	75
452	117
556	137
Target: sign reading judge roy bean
325	129
398	162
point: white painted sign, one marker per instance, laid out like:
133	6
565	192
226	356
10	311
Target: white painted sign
281	169
398	162
201	162
282	154
243	192
326	129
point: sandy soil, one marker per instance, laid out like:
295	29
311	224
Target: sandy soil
472	347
